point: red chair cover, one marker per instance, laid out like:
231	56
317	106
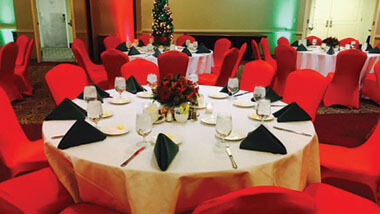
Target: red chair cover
260	199
256	73
113	60
111	42
283	41
60	77
344	86
266	53
345	41
220	48
306	87
240	57
36	192
220	79
182	39
96	73
139	68
87	208
22	70
22	43
145	38
11	84
371	85
255	50
310	39
173	62
286	57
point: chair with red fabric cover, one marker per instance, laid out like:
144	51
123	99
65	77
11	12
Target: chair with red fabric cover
371	85
255	50
113	60
256	73
306	87
96	73
17	153
172	62
182	39
62	75
87	208
343	88
283	41
259	199
22	70
286	57
221	78
9	81
266	53
243	47
139	68
22	43
310	39
112	41
221	46
348	40
145	38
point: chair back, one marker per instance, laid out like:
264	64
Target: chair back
255	50
220	48
348	40
63	75
286	57
145	38
80	52
173	62
306	87
256	73
139	68
113	60
240	57
266	52
8	80
283	41
111	42
22	43
182	39
228	64
311	38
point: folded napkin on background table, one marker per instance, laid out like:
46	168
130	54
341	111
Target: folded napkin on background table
133	86
225	90
133	51
122	47
100	92
375	51
80	133
261	139
156	52
301	48
67	110
291	112
141	43
369	47
187	52
294	44
331	51
165	150
203	49
270	94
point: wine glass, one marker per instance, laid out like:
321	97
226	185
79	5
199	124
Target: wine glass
94	111
143	126
195	45
259	93
314	42
223	126
152	80
263	109
89	93
353	43
120	85
364	47
233	85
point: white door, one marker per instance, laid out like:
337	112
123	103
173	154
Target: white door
321	18
345	18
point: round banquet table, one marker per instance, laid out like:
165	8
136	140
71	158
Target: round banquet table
200	170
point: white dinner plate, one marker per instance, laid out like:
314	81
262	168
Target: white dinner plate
107	113
175	138
235	135
244	103
218	95
209	119
115	129
120	100
144	94
256	117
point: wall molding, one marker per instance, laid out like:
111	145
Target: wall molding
225	32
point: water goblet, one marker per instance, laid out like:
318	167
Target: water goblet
143	126
120	85
89	93
223	126
263	109
94	111
259	93
195	45
353	43
233	86
314	42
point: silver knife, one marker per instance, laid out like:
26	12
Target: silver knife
228	151
247	92
292	131
132	156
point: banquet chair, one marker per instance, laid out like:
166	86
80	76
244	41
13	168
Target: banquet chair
113	60
9	81
139	68
348	40
283	41
343	88
306	87
311	38
255	50
221	78
256	73
145	38
172	62
267	56
242	49
60	77
371	85
22	70
221	46
22	43
17	153
182	39
112	41
286	57
96	73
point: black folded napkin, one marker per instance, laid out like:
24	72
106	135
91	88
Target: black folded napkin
308	43
141	44
376	50
270	94
203	49
100	93
122	47
187	52
165	150
290	113
301	48
331	51
133	51
295	44
184	45
80	133
225	90
261	139
67	110
369	47
133	86
156	52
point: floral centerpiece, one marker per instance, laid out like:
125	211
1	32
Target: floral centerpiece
331	41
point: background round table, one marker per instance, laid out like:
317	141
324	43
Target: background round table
199	171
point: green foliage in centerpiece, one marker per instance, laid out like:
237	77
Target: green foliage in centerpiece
331	41
162	23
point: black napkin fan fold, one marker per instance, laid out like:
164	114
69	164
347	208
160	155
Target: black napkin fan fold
301	48
292	112
203	49
187	52
165	150
133	51
331	51
67	110
122	47
133	86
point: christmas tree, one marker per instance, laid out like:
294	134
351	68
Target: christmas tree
162	23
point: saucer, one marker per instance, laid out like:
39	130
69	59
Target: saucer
120	100
235	135
107	113
244	104
254	116
115	129
144	94
209	119
218	95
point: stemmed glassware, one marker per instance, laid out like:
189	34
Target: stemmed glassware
94	111
223	126
353	43
152	80
89	93
233	85
143	126
263	109
314	42
259	93
120	85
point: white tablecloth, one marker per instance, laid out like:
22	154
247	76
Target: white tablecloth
200	170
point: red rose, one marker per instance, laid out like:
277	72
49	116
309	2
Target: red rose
164	93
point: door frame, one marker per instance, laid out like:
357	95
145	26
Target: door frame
36	29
